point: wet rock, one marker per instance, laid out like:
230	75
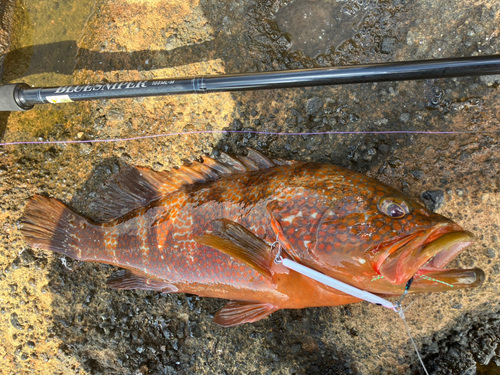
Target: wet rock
388	45
237	125
417	174
433	199
26	258
491	79
383	148
313	105
369	154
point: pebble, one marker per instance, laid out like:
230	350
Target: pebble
388	45
383	148
381	122
417	174
489	252
405	117
313	105
433	199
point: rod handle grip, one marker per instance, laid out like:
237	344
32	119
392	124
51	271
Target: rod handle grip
10	98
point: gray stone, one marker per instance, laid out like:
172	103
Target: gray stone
405	117
490	80
489	252
313	105
388	45
433	199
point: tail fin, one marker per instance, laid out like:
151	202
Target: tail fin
48	224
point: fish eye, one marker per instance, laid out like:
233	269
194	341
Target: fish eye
393	207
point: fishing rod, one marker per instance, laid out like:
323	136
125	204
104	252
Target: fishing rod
22	97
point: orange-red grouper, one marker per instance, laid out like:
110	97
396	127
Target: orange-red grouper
208	229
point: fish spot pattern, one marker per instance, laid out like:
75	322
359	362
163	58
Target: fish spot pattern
353	224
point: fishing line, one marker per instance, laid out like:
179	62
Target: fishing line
438	281
349	289
243	132
402	315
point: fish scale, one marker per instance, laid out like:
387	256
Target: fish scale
208	229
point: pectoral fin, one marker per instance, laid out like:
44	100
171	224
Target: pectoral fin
233	239
241	312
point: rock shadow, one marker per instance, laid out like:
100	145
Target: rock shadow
56	58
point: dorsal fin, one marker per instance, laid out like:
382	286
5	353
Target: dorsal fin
222	169
235	240
249	163
232	162
123	192
134	187
260	160
280	161
205	170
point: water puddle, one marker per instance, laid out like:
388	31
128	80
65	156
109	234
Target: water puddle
44	40
315	26
491	368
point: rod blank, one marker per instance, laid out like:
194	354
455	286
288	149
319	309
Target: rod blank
21	97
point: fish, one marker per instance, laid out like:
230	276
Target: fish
214	229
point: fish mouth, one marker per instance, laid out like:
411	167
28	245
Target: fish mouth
423	257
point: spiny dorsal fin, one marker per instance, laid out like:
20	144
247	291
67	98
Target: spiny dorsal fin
135	187
279	161
233	239
222	169
249	163
232	162
125	279
240	312
263	162
205	170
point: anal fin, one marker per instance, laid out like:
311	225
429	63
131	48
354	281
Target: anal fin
125	279
241	312
233	239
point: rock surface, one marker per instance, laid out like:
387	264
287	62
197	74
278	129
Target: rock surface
56	314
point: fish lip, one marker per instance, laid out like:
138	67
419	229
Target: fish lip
428	251
446	247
